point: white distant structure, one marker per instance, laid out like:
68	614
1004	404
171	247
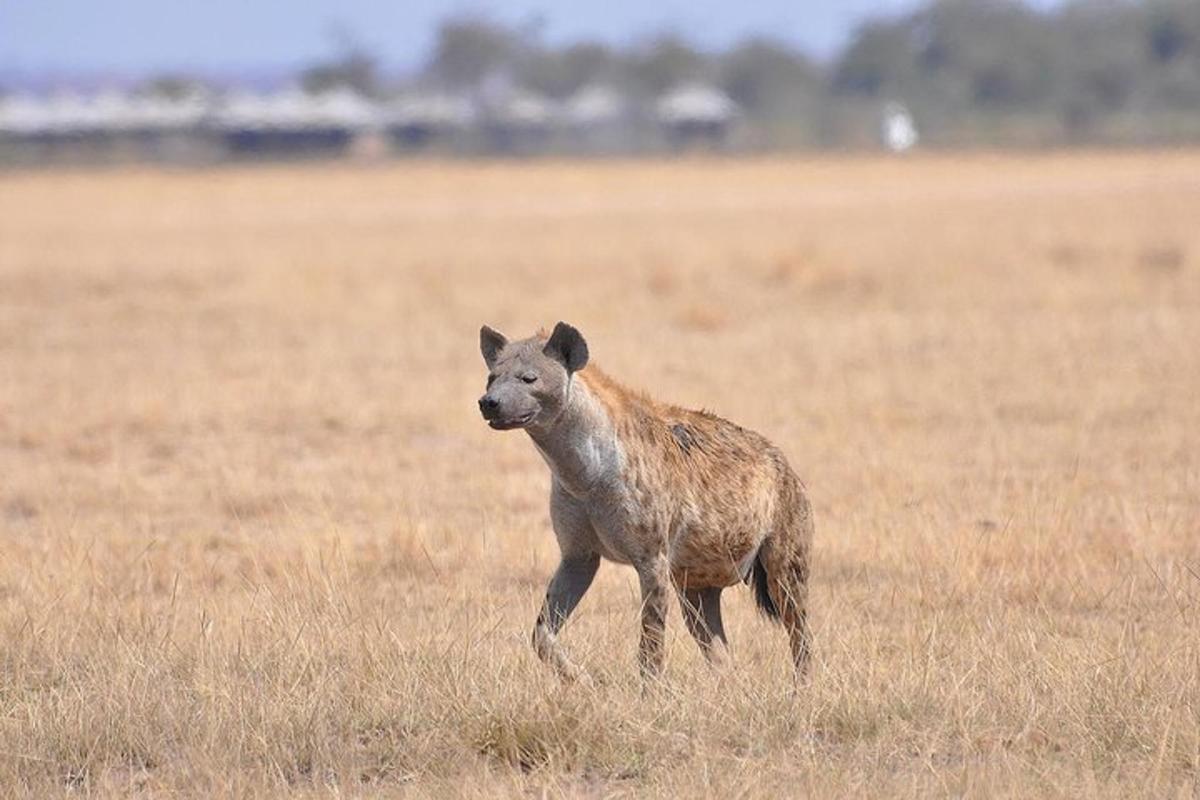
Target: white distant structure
523	109
293	120
417	118
696	112
70	114
695	103
597	118
594	105
24	115
165	114
498	116
111	116
898	130
344	108
296	110
516	119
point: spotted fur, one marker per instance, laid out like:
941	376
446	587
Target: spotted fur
693	502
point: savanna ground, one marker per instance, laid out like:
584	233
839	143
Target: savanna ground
255	540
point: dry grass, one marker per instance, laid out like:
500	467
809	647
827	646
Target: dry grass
254	539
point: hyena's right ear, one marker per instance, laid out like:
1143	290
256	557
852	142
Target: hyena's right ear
491	342
566	345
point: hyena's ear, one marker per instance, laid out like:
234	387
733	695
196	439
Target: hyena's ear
491	342
567	347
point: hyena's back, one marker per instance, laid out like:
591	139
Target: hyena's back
725	489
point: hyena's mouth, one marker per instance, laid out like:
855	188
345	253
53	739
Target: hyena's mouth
511	424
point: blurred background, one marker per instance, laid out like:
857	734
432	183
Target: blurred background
140	80
256	540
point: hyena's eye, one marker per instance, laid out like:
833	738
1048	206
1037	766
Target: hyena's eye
529	378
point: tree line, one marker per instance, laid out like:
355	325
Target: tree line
971	71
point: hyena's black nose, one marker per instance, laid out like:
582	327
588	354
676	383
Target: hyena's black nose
488	404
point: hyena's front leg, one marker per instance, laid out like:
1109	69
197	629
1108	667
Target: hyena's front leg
655	581
568	585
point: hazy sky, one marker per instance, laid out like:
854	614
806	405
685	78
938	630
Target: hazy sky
138	36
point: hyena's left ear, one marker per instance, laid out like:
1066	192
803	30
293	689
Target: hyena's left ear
567	347
491	342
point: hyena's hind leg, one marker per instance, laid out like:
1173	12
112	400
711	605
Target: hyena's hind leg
781	584
702	615
793	589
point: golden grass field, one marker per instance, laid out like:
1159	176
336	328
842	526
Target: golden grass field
255	540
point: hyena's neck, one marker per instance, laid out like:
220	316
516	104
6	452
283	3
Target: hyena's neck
581	446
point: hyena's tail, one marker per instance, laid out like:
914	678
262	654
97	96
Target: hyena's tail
762	594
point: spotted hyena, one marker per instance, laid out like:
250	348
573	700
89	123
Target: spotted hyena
688	499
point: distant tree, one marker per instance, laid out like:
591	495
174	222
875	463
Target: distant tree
1172	40
354	67
559	73
171	87
665	62
1173	30
956	53
468	49
880	57
768	78
1100	62
1000	51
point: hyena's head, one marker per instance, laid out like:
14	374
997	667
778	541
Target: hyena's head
528	379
